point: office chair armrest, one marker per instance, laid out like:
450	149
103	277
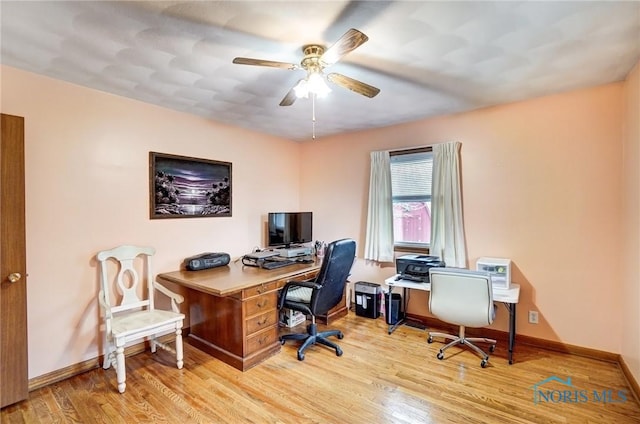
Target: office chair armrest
175	297
293	284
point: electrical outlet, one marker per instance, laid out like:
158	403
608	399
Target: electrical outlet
533	317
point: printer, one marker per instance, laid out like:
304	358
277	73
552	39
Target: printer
416	267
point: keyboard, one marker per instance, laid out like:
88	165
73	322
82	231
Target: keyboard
277	264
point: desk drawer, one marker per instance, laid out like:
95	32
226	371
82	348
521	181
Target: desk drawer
301	277
259	289
261	304
261	340
261	322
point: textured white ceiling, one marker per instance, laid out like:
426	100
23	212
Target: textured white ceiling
427	58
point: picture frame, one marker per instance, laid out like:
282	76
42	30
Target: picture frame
187	187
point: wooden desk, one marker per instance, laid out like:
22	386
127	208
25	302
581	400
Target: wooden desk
233	312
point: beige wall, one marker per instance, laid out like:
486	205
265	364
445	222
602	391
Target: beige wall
87	189
541	185
630	251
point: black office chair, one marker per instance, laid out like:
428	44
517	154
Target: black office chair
317	296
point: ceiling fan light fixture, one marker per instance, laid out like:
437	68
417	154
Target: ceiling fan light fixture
314	83
317	85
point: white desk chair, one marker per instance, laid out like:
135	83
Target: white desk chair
464	298
134	316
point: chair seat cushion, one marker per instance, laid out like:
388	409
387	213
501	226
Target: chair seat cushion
299	294
138	321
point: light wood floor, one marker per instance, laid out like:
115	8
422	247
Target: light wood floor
381	378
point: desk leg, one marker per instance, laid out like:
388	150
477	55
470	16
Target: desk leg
512	329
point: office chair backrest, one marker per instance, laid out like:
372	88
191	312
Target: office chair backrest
336	267
461	297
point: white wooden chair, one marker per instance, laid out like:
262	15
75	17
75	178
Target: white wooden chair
129	312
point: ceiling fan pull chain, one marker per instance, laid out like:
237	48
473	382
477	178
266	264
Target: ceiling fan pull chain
313	116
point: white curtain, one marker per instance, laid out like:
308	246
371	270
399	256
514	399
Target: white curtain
447	228
379	238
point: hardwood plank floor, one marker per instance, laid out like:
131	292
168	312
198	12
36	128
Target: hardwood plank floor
380	378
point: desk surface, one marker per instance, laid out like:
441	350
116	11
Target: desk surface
226	280
510	295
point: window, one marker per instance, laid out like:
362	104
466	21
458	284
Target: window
411	196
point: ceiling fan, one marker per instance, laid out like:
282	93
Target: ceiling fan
316	59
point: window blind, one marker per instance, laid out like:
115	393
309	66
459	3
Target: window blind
411	176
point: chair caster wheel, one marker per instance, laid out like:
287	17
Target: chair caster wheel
338	352
340	336
440	356
484	363
300	356
492	348
282	342
429	339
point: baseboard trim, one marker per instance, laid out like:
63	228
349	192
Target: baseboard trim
520	339
635	388
63	374
88	365
503	336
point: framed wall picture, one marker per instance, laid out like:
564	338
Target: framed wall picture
186	187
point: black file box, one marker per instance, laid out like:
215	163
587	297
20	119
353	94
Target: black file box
397	312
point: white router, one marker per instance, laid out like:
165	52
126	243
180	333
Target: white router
261	255
294	252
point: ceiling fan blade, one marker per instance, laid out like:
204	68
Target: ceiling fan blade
351	40
289	98
353	85
271	63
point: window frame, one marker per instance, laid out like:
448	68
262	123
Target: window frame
404	246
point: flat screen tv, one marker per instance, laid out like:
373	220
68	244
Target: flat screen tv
289	228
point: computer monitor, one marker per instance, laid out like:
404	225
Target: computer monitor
287	228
